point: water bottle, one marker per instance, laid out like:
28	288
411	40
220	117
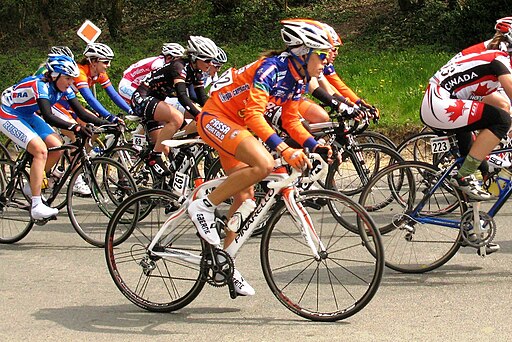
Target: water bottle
238	218
96	151
56	174
500	182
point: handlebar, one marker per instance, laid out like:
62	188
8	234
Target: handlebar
296	174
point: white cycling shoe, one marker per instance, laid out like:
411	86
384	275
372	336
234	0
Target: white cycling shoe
42	211
202	214
80	188
242	287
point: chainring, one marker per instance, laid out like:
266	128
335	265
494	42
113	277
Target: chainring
488	229
217	267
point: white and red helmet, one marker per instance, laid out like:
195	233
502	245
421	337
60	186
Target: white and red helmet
504	25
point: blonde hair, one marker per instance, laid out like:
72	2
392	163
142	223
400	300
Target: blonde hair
495	42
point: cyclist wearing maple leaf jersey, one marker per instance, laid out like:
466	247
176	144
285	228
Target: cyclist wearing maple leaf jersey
462	97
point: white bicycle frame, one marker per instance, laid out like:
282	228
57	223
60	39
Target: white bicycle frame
278	183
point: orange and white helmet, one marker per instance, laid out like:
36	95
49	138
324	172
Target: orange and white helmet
335	38
306	32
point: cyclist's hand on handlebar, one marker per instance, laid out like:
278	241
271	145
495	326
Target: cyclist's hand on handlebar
82	131
351	112
373	111
296	158
325	152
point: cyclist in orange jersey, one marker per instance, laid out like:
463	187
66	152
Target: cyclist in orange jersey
93	69
238	103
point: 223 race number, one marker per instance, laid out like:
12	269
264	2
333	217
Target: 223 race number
440	144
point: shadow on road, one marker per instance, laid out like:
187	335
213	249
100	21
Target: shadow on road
125	319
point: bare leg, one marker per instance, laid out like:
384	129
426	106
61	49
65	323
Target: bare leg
173	119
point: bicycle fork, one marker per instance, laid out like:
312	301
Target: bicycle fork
303	221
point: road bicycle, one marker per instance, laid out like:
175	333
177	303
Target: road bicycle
312	264
423	219
109	182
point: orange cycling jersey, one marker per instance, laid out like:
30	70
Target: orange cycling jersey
339	86
86	80
268	87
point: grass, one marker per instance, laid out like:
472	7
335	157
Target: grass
394	81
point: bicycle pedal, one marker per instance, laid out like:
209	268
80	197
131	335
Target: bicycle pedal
44	221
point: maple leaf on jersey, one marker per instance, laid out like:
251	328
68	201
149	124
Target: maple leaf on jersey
455	111
482	90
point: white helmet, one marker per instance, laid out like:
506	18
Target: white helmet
202	48
221	57
98	50
173	50
61	50
309	33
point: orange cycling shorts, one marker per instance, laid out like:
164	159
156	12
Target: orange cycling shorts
224	135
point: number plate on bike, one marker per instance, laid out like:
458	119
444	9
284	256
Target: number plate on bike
440	144
139	140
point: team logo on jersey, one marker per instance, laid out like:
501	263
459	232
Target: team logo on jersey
456	80
217	128
456	111
15	131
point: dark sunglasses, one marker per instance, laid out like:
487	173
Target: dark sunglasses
104	61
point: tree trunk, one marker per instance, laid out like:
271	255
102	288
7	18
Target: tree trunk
115	19
44	18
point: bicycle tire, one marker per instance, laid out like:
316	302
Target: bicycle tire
129	158
411	247
112	184
350	272
372	137
349	176
15	221
128	261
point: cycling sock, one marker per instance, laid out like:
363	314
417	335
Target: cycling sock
36	200
469	166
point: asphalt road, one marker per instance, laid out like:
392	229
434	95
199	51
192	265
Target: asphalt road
55	287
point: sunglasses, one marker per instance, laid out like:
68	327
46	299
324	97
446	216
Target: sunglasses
322	54
104	61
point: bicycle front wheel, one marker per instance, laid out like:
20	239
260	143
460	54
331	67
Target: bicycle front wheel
110	184
348	272
15	221
167	278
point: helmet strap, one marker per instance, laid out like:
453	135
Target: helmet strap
303	63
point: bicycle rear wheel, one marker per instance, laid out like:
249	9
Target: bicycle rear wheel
348	273
15	221
390	198
154	282
110	184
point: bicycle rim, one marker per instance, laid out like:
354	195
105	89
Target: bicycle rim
15	222
154	283
411	246
90	215
345	279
